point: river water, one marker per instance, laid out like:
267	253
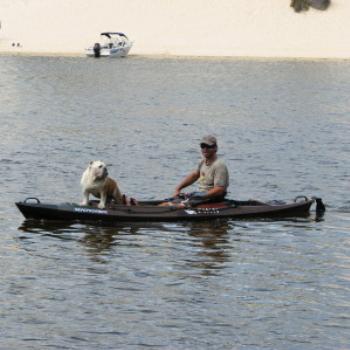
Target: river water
283	129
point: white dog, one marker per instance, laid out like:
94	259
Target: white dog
95	181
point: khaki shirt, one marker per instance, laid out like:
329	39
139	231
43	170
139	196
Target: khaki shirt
212	175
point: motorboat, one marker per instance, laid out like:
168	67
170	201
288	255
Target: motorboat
33	208
114	44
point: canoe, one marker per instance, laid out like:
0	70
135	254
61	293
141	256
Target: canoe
33	208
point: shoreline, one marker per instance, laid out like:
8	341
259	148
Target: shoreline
177	57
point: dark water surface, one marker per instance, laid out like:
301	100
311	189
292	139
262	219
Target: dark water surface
283	129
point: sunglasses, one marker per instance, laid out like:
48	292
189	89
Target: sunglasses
204	145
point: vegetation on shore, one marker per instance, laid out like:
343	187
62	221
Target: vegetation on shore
303	5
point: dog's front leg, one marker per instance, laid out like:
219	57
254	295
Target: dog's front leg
103	201
85	199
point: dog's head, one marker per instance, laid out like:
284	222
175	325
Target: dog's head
98	170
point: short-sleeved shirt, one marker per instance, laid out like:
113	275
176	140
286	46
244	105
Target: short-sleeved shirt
215	174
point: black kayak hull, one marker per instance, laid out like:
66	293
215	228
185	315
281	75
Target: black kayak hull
34	209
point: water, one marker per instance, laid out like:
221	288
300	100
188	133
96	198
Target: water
283	129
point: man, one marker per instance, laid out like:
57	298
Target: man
211	173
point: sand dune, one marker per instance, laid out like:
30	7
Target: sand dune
177	27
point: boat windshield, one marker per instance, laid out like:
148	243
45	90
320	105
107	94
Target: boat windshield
113	40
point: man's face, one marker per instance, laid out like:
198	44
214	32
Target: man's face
208	150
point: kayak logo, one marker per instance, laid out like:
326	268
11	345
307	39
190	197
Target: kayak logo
207	211
90	211
191	212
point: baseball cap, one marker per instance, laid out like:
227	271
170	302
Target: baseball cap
209	140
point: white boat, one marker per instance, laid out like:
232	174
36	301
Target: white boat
115	44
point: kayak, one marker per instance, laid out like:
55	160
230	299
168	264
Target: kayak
33	208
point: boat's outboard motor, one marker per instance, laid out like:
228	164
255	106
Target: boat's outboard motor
97	50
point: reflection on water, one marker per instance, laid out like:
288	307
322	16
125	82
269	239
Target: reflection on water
212	246
283	130
210	239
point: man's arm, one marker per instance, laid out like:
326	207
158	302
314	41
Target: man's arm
217	191
187	181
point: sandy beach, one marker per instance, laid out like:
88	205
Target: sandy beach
238	28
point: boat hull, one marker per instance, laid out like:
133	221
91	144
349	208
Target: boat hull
113	52
147	212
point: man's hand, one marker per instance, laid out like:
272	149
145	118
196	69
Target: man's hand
176	193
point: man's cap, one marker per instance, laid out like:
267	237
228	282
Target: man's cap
209	140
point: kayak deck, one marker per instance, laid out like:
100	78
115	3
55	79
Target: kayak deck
32	208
